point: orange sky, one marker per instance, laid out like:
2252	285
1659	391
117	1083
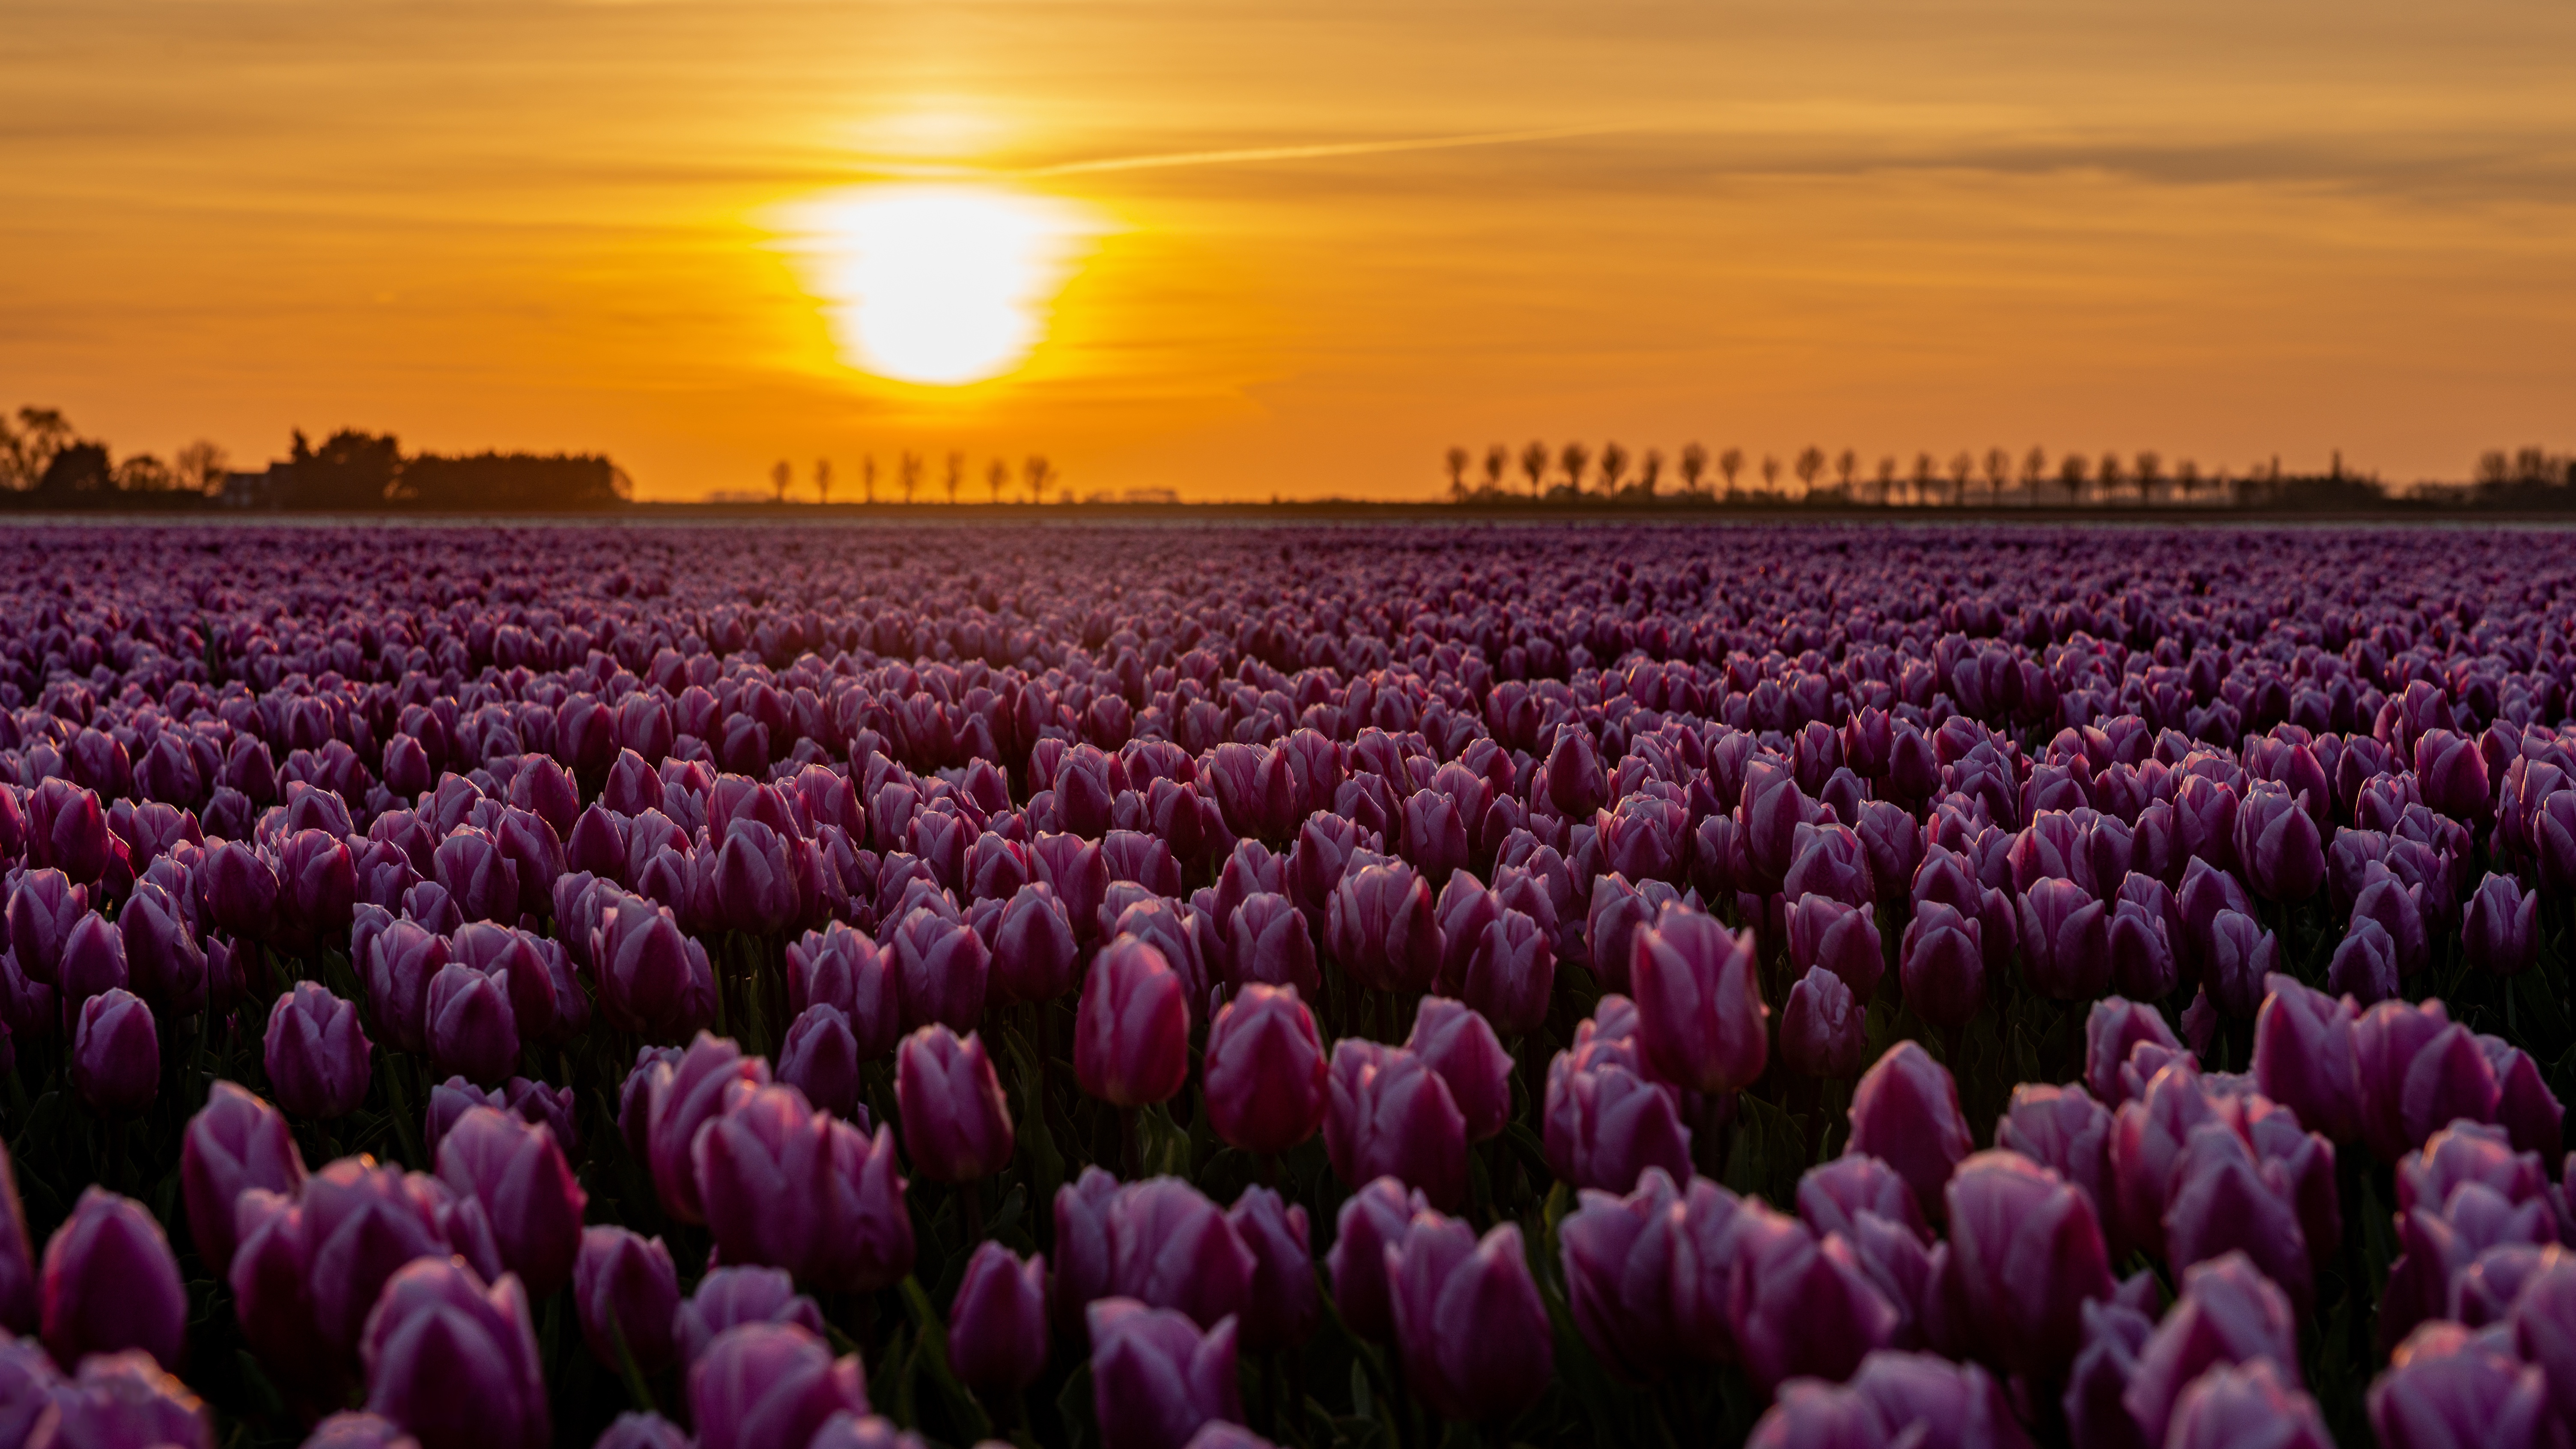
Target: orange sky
2218	230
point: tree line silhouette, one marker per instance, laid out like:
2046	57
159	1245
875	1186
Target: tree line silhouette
1035	476
45	463
1571	474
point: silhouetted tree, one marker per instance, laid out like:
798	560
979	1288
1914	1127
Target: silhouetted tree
1963	466
1694	465
27	450
1925	470
955	476
1650	471
1498	461
201	467
780	475
1534	466
2150	472
997	476
1730	463
911	476
823	480
868	479
351	472
1574	458
1998	468
1457	461
1886	479
2034	467
1614	466
1037	473
1846	463
2070	474
1770	473
2187	478
76	469
2108	475
144	473
1810	466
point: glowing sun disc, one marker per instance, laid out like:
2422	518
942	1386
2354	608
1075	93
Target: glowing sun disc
937	285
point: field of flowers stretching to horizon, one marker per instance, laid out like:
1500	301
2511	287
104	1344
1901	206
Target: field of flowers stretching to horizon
1195	988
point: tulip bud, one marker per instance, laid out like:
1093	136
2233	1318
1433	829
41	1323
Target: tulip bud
2501	933
733	1296
2277	842
93	960
1283	1304
1270	945
1822	1031
124	1398
1460	1046
842	967
358	1429
116	1056
1169	1247
2064	1130
997	1330
1841	938
316	1054
168	967
2028	1252
1906	1111
820	1058
2065	941
1265	1070
1468	1320
1033	948
1382	929
514	1168
472	1030
1391	1115
2229	1314
1800	1305
238	891
2419	1071
2255	1403
628	1293
1131	1027
956	1125
110	1283
1509	974
1155	1377
235	1143
764	1384
2240	954
1699	1000
653	981
1941	965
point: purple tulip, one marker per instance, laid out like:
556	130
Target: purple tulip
733	1296
1131	1028
1822	1031
167	966
2065	941
1382	929
1906	1111
844	969
997	1327
1941	965
2418	1071
2501	932
317	882
820	1058
683	1098
1509	974
316	1054
235	1143
2277	842
2252	1404
2028	1253
455	1361
2240	954
110	1283
653	981
956	1125
1468	1321
124	1398
472	1029
647	1431
1269	945
764	1384
1156	1377
1391	1115
1801	1305
1911	1391
627	1292
1265	1070
93	961
1460	1046
1628	1275
1842	939
43	908
1169	1247
1282	1305
116	1055
944	968
1372	1219
2064	1130
2111	1029
1699	1002
238	891
517	1172
2543	1319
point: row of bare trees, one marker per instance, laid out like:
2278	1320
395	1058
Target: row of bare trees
1035	476
1573	471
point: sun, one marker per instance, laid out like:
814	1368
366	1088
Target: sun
936	285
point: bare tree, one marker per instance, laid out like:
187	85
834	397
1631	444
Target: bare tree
26	454
1730	463
2151	471
1846	463
1614	466
1650	471
780	475
868	479
1574	458
1811	466
2187	478
1457	460
1498	461
2034	467
911	476
956	475
1998	469
2070	475
1036	472
822	480
2108	475
1925	470
1963	466
144	473
202	467
1534	466
1694	466
1770	473
1886	478
997	476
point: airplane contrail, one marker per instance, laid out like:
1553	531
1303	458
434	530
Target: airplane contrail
1301	153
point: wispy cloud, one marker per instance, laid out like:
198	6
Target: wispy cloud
1314	152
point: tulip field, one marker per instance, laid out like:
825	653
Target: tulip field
1196	988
